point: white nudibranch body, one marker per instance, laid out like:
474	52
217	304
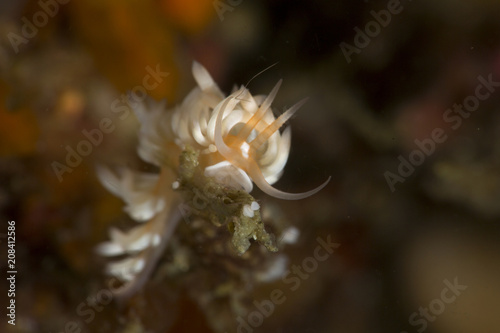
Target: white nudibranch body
239	142
238	135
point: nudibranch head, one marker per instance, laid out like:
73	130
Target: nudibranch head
238	135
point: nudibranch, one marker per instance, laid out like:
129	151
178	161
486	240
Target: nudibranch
237	141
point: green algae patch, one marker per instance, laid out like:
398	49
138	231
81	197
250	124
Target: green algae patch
220	204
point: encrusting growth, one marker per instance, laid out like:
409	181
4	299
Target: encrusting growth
210	150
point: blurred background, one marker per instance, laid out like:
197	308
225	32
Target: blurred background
418	228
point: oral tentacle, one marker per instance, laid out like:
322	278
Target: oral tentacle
259	180
272	128
257	117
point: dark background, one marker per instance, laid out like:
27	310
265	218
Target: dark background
397	247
